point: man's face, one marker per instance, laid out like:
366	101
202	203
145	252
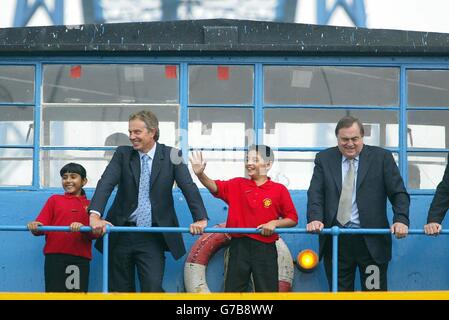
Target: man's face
255	165
350	141
141	138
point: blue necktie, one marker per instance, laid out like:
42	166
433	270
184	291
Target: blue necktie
144	206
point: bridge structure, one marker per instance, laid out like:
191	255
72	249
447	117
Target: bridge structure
100	11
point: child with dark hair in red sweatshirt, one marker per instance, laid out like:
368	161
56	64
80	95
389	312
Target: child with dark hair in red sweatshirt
67	254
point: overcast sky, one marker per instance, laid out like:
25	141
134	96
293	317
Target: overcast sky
419	15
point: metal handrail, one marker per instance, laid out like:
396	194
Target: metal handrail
334	231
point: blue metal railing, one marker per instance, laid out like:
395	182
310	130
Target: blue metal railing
334	231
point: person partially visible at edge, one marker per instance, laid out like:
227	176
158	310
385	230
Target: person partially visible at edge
349	189
256	202
438	207
145	174
65	251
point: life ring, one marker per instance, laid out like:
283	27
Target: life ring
209	243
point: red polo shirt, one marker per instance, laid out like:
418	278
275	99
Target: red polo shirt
62	210
251	205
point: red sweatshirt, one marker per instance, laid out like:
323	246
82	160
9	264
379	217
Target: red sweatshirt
62	210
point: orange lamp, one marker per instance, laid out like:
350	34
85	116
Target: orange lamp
307	260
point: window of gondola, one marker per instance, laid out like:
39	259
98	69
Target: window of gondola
224	132
16	167
428	88
302	105
221	84
221	116
427	127
329	85
16	84
425	169
316	127
16	125
293	169
88	105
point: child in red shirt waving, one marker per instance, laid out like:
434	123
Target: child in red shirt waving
256	202
67	254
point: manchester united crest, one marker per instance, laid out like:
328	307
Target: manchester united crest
266	202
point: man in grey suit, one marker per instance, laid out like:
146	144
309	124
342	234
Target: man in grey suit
145	174
349	188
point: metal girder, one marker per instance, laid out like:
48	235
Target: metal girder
355	10
26	9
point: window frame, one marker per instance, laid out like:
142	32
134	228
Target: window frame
403	63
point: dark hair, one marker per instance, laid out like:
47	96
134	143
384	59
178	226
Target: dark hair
73	168
264	151
347	122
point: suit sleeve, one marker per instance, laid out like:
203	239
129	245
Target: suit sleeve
109	179
189	189
315	194
440	202
396	192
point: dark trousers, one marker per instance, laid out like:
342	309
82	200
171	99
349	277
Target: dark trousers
144	251
66	273
248	256
352	254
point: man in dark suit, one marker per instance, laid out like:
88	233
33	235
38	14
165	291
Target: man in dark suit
143	200
439	206
349	188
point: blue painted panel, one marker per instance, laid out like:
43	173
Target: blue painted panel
419	262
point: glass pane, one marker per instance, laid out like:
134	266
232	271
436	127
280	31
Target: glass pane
111	83
16	167
428	129
222	165
294	85
425	170
221	85
286	163
316	127
101	126
428	88
53	160
16	125
220	127
17	84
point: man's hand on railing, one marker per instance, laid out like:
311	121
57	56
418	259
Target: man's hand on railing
399	229
315	226
198	227
432	229
32	226
98	225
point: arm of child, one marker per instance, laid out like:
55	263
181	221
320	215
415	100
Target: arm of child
269	227
76	226
198	166
33	227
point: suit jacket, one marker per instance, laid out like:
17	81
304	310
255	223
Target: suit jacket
378	177
440	202
124	171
